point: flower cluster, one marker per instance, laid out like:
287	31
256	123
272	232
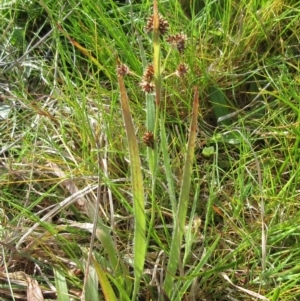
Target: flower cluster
147	87
181	70
147	83
148	139
122	70
147	80
163	25
149	73
178	40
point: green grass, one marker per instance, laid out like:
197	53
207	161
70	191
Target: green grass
209	210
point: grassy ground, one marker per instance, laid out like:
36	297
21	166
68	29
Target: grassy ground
188	192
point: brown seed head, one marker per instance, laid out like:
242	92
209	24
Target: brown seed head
182	69
163	24
122	70
147	87
177	41
148	74
148	139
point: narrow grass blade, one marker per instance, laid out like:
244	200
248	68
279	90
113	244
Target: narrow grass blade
150	124
91	287
123	294
156	55
219	103
108	292
192	231
167	165
137	191
82	49
61	286
199	266
180	217
120	271
276	294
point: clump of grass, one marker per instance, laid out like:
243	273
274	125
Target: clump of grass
152	83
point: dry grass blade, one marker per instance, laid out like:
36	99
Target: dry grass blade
62	205
34	292
250	293
69	184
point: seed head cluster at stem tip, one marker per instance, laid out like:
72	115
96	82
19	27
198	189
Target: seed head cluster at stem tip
148	74
148	139
147	87
182	69
163	24
122	70
178	41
